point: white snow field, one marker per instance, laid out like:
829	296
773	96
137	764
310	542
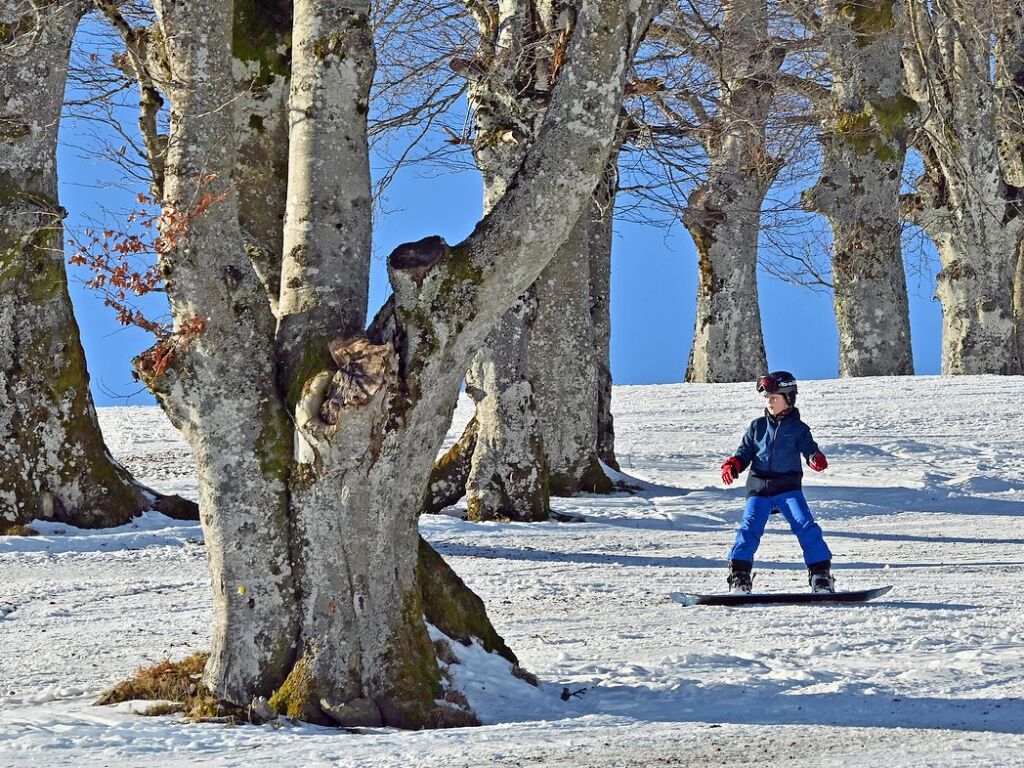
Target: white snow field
925	492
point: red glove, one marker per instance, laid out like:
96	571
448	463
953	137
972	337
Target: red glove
731	469
818	462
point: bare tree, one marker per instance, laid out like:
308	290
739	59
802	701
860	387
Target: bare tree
510	79
55	464
1009	81
960	61
319	601
864	136
723	212
722	110
599	247
543	387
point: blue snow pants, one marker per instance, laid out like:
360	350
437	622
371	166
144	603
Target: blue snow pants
793	507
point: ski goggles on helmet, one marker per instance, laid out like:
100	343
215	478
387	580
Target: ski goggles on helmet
771	384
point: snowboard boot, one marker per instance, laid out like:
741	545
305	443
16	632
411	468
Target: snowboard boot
740	578
819	576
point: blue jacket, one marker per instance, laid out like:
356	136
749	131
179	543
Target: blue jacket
772	448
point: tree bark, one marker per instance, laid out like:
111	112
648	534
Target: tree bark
55	463
397	387
864	145
450	473
570	363
325	275
508	475
1009	82
723	213
537	382
563	368
326	614
967	201
599	244
220	389
1018	297
261	46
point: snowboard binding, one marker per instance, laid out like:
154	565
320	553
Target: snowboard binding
740	579
819	576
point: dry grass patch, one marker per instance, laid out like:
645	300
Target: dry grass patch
171	681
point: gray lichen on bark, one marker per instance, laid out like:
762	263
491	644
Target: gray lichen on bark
221	390
563	368
325	272
1009	82
508	477
508	473
261	47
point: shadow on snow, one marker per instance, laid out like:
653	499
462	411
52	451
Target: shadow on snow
769	704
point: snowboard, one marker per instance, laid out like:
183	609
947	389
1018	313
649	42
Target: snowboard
781	598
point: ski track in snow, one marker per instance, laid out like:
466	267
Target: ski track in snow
925	492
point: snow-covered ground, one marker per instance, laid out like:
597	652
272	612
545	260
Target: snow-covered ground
925	492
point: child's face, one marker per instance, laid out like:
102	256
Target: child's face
775	404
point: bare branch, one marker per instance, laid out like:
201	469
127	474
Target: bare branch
802	86
136	42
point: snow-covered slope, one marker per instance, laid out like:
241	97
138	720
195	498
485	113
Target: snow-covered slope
925	492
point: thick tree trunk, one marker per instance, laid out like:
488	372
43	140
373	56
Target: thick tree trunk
451	472
261	46
336	599
1009	82
967	201
727	341
220	388
723	214
563	369
396	388
538	384
327	229
599	244
508	475
570	363
864	142
55	464
975	286
364	651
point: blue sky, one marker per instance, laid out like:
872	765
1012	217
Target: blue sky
653	286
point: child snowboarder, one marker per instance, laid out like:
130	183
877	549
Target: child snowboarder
772	447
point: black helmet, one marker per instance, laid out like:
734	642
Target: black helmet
778	382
